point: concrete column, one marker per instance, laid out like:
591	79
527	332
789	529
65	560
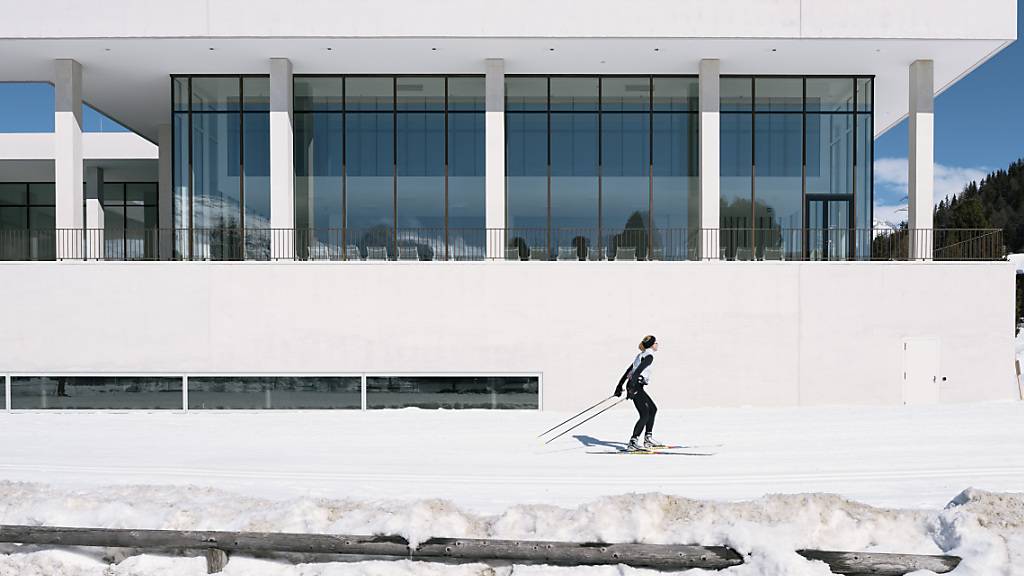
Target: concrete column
165	194
68	168
921	160
282	169
710	173
495	163
94	222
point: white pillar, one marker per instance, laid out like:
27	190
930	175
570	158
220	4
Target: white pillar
282	169
165	192
94	221
495	163
710	173
921	177
68	157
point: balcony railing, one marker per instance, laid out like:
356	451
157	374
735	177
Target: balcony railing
516	244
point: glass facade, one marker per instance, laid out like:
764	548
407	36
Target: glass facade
602	167
95	393
221	172
130	220
796	159
490	392
389	167
274	392
27	221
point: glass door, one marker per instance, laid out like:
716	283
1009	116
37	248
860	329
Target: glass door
828	232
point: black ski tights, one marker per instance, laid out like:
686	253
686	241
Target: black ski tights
645	406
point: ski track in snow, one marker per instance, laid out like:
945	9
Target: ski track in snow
765	491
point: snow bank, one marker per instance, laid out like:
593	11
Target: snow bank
986	529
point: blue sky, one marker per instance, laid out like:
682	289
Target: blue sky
979	127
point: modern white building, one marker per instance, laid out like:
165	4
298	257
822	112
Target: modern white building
487	204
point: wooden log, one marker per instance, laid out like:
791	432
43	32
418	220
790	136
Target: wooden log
216	560
879	564
657	556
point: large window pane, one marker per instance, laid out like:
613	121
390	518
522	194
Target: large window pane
369	94
13	194
778	190
466	93
420	209
256	94
318	94
862	192
179	94
42	194
95	393
318	185
736	164
527	175
625	94
676	166
574	185
180	179
452	392
466	185
829	153
215	93
369	157
676	94
570	94
273	392
420	93
215	188
626	183
830	94
256	145
778	94
526	93
736	94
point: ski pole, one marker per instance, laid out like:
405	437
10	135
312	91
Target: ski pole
574	416
587	420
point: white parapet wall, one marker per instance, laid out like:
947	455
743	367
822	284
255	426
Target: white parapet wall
762	334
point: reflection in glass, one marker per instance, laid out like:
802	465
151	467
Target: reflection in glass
829	153
95	393
778	190
466	160
216	207
318	184
736	94
256	165
527	174
676	204
453	392
625	180
274	392
573	179
420	196
526	93
736	194
369	185
215	94
778	94
830	94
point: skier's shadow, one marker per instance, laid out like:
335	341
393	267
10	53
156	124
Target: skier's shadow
591	441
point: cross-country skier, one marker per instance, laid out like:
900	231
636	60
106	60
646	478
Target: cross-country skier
638	375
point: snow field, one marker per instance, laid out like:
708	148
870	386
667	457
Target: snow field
843	478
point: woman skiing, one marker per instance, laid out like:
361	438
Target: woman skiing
638	375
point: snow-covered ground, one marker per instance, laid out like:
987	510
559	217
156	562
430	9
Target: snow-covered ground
765	481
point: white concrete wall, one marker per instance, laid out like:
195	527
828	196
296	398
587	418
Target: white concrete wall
732	333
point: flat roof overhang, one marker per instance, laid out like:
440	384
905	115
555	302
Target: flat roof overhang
128	49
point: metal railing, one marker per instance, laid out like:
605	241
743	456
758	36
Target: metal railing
511	244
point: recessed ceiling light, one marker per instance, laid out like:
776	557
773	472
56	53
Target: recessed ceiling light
657	49
329	48
551	49
773	50
106	49
433	49
211	49
602	61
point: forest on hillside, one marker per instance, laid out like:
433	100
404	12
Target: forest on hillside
995	202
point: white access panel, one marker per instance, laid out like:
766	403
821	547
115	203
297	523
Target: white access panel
921	367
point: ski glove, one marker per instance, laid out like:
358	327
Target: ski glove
618	391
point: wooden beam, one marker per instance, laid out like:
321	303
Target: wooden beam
879	564
673	557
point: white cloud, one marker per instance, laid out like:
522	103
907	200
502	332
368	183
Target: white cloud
891	174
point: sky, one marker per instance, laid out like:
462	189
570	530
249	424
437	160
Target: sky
979	127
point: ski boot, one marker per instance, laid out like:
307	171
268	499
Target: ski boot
634	445
650	443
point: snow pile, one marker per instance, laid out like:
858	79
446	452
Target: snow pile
986	529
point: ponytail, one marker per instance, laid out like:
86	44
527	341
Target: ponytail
647	342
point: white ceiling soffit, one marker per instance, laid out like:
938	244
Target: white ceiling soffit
128	49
